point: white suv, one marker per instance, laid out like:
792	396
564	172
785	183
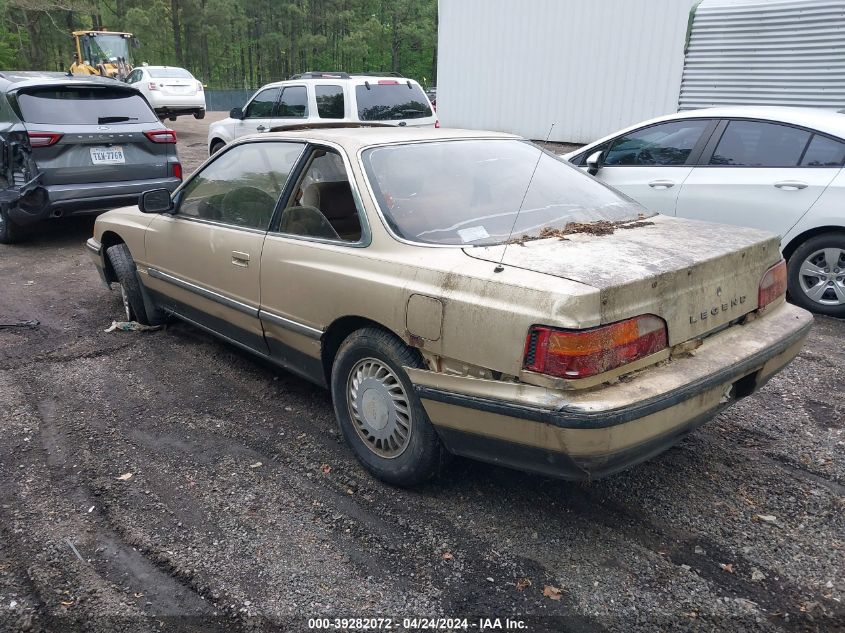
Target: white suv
326	97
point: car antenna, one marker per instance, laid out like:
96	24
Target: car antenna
499	267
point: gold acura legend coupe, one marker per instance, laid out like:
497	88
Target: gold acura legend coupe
460	292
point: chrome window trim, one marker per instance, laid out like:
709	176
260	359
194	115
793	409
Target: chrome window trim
235	227
203	292
289	324
366	232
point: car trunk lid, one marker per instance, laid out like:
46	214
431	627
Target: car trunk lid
176	86
696	276
92	153
91	132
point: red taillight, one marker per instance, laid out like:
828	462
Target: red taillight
437	124
153	86
388	82
161	136
580	354
199	87
773	285
43	139
176	169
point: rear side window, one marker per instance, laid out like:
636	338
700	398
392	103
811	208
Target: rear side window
262	106
329	102
758	144
824	152
663	144
294	103
78	105
169	73
391	102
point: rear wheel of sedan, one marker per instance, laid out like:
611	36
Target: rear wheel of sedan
379	414
10	233
130	288
816	277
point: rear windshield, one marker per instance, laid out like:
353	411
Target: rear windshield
169	73
471	191
78	105
390	102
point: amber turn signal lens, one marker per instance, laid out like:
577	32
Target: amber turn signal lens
582	353
773	285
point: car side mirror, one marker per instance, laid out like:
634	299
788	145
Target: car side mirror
237	113
594	162
156	201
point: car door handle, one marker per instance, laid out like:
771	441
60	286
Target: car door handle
791	185
661	184
240	259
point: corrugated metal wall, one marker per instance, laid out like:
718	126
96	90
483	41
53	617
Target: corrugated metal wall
588	67
775	52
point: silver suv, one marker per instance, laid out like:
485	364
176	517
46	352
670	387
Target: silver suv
326	97
95	144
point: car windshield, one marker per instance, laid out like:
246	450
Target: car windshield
470	192
169	73
98	49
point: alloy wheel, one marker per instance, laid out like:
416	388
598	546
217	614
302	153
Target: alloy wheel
822	276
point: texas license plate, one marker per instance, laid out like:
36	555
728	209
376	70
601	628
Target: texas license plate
107	155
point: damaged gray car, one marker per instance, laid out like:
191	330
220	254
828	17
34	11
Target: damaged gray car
76	145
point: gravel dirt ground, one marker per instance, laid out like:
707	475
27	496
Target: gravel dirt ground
164	481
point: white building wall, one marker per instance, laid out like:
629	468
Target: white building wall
588	67
766	52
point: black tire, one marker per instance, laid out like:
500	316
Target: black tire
172	118
127	276
216	146
199	115
807	249
10	233
423	455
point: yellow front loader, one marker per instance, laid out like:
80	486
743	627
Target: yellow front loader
104	53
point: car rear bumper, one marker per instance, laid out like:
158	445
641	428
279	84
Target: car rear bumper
588	434
179	102
77	199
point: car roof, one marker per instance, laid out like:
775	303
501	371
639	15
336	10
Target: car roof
822	119
17	79
355	138
150	66
351	79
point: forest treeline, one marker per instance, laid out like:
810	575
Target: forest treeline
233	43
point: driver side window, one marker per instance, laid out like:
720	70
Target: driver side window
242	186
263	105
663	144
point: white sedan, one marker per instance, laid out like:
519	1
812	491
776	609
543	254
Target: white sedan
779	169
171	91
